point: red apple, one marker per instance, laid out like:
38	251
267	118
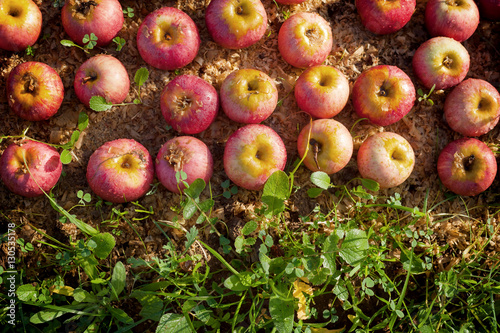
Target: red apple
168	39
30	167
20	24
387	158
467	166
183	153
103	18
189	104
384	17
305	40
489	9
236	24
441	61
120	170
248	96
252	154
102	75
34	91
383	94
473	107
457	19
322	91
330	145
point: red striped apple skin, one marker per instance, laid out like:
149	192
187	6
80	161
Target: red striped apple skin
457	19
385	17
20	24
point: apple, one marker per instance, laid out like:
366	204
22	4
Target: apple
34	91
467	166
330	145
457	19
102	75
248	96
387	158
30	168
236	24
20	24
473	107
489	9
441	61
103	18
384	94
183	153
120	170
322	91
189	104
305	40
384	17
252	154
168	39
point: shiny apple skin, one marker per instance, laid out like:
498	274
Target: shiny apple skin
102	75
457	19
104	20
34	91
384	17
384	94
252	154
120	170
472	108
232	30
431	66
248	96
463	175
21	30
189	104
168	51
387	158
330	145
43	162
305	40
183	153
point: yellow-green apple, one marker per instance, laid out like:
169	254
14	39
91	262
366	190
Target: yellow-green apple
20	24
457	19
489	9
102	75
34	91
236	24
30	168
168	39
252	153
330	145
183	153
189	104
305	40
384	17
120	170
467	166
473	107
384	94
387	158
103	18
441	61
248	96
322	91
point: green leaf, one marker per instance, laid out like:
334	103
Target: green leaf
141	76
105	244
282	313
152	306
74	137
189	210
249	227
67	42
120	315
81	295
191	237
83	121
26	293
238	243
99	103
234	283
370	184
354	246
276	191
173	323
206	205
45	316
86	39
66	157
194	190
411	262
118	280
314	192
321	179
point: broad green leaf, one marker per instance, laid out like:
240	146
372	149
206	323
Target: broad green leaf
341	291
141	76
152	307
238	243
173	323
249	227
206	205
45	316
26	293
120	315
321	179
276	191
118	279
191	237
411	262
354	246
66	157
282	313
319	276
81	295
99	103
74	137
89	266
67	42
83	121
194	190
105	244
233	283
189	210
329	250
370	184
314	192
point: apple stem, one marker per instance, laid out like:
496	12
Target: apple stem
30	83
382	92
469	162
239	10
316	149
91	77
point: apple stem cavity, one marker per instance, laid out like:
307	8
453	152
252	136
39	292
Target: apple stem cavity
469	162
91	77
30	83
447	62
84	6
316	148
176	158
